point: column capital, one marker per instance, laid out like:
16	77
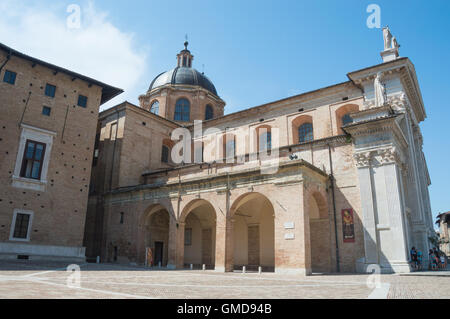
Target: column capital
389	155
362	159
379	156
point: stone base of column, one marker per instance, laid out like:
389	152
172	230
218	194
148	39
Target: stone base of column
219	269
397	267
171	266
394	267
223	269
293	271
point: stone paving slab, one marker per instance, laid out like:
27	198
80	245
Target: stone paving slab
20	279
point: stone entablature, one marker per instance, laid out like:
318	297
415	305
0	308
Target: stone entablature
399	77
286	175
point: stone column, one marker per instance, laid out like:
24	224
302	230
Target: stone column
177	228
225	245
368	210
383	210
292	233
396	250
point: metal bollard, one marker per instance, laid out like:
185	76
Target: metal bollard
259	270
159	264
243	269
98	260
204	267
191	266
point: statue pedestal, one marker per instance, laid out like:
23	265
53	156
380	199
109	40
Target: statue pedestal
389	54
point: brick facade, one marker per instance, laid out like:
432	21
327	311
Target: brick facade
59	200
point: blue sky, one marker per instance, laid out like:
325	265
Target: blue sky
253	51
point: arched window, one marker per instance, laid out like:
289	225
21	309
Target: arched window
165	154
346	119
182	110
155	108
343	116
265	141
209	113
305	133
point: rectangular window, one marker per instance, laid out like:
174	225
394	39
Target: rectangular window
21	226
50	90
46	110
230	149
96	150
95	158
82	100
10	77
165	154
188	237
33	158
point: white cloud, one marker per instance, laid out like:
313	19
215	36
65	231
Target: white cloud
97	49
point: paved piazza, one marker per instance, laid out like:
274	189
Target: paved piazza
25	279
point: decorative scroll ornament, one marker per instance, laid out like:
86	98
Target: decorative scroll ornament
362	159
388	155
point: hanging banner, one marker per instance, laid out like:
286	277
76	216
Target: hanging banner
348	226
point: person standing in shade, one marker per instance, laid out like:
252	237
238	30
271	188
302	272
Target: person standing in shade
437	257
413	254
419	260
433	263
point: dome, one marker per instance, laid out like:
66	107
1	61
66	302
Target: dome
183	75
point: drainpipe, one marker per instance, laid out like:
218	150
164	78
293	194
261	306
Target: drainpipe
334	208
114	152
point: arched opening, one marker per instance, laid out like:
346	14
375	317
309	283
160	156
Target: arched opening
166	149
155	224
199	235
320	240
302	129
343	116
254	232
209	113
154	108
182	110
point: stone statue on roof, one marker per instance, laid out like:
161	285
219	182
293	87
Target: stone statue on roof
387	36
379	91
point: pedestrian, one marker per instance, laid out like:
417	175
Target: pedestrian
419	260
413	254
437	257
443	262
432	257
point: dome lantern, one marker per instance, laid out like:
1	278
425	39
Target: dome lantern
185	57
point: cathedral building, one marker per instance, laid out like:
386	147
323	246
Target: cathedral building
331	180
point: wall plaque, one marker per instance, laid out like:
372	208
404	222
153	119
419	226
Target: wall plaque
289	236
289	225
